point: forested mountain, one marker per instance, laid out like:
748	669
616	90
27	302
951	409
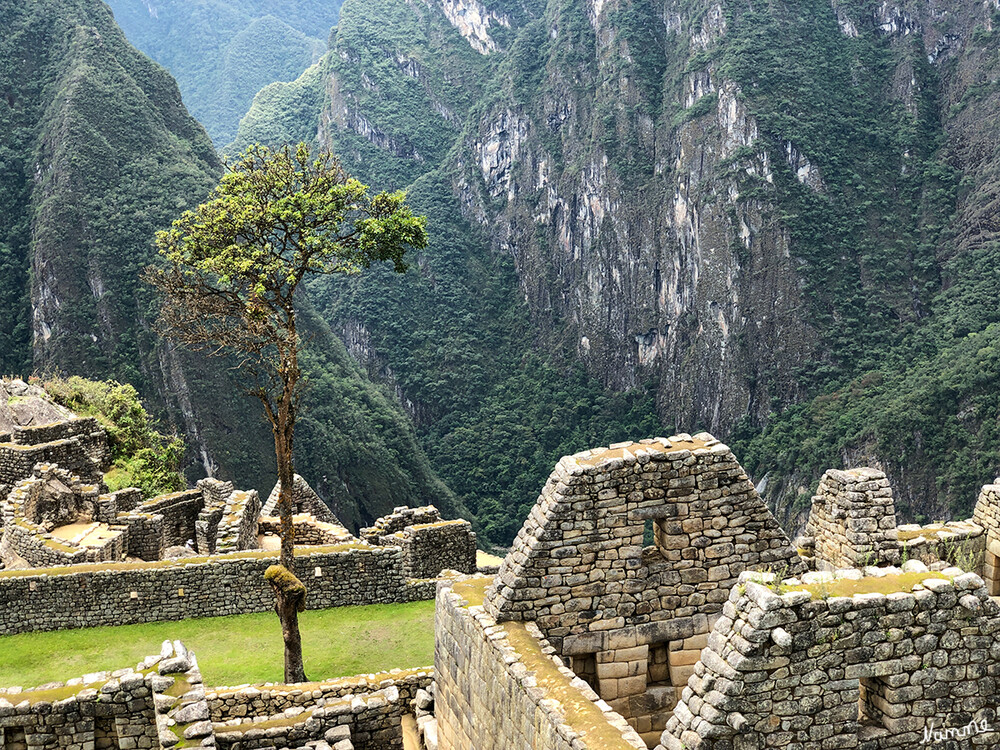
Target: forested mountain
782	216
778	222
222	52
97	152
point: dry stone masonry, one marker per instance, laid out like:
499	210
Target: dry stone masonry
717	635
502	686
430	544
629	616
304	501
54	518
162	704
845	662
853	520
987	515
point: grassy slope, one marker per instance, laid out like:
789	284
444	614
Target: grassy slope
234	650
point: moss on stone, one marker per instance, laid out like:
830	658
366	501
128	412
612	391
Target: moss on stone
903	582
581	713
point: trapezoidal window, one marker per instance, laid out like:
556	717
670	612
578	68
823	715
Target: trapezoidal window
12	738
105	733
585	667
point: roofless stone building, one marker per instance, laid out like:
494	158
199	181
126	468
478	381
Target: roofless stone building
716	636
651	600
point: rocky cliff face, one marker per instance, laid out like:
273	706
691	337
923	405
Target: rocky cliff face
748	205
781	216
635	217
97	153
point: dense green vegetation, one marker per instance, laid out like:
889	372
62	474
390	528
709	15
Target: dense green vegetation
234	650
494	414
912	340
222	52
868	240
902	300
112	157
141	457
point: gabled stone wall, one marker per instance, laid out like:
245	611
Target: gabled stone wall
814	669
853	519
578	566
304	500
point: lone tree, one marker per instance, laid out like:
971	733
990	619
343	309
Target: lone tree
232	269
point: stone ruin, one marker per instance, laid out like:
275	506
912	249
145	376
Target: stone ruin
305	501
719	635
651	600
162	703
54	510
629	618
430	544
853	520
54	518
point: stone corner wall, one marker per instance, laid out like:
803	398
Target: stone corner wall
852	522
488	695
430	548
787	665
401	517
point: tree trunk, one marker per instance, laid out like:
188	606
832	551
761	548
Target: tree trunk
287	609
286	606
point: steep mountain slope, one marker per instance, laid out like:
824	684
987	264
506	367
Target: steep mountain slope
97	153
782	214
222	52
453	336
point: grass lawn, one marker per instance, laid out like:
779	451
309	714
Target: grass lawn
234	650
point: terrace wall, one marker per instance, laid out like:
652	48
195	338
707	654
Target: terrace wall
122	594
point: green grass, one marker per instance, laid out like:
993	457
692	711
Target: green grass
234	650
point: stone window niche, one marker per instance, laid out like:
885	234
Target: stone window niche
13	738
585	667
871	696
105	734
659	665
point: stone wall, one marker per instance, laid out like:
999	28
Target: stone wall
987	515
237	528
162	704
103	710
853	520
87	431
226	704
871	664
628	617
578	566
399	519
86	596
77	445
500	687
432	547
308	530
179	514
50	500
372	721
960	543
304	500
